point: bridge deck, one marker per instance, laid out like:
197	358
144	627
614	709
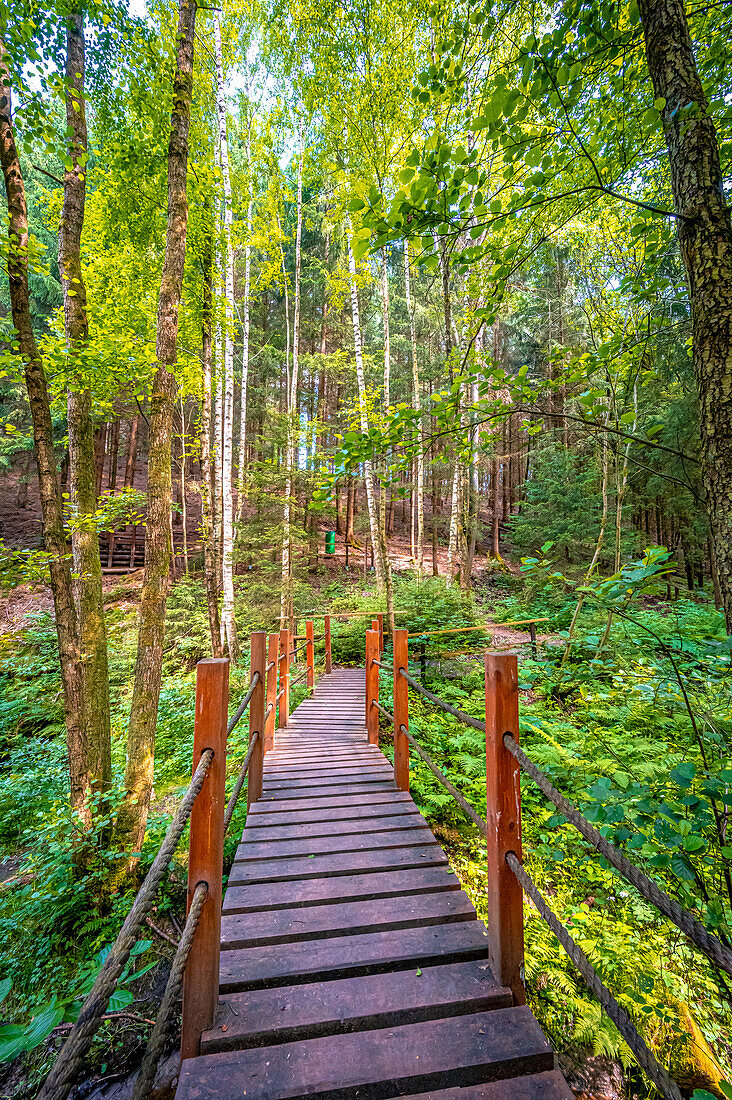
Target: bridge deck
353	966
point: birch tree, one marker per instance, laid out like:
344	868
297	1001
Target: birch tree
228	621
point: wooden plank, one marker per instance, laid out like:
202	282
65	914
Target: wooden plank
376	798
328	769
371	774
344	956
291	831
257	822
260	898
310	846
284	794
538	1086
373	1065
349	918
262	1017
336	863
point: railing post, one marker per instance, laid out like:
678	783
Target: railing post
401	711
372	686
310	653
258	664
504	894
328	654
270	692
283	716
380	620
206	853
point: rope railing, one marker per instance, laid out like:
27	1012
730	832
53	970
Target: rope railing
466	718
76	1047
163	1021
233	721
297	679
449	787
234	796
713	948
502	712
642	1053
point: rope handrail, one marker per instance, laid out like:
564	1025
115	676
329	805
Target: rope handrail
268	708
693	928
720	955
449	787
643	1055
386	668
297	648
234	797
279	694
298	678
244	703
76	1047
466	718
159	1035
382	710
270	666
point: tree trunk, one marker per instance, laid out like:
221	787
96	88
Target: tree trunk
83	496
139	770
227	471
245	333
705	237
132	445
416	405
38	399
361	379
208	487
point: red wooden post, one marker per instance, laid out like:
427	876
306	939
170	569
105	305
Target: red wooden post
283	717
270	692
328	654
258	664
380	620
504	894
206	853
401	711
372	685
310	653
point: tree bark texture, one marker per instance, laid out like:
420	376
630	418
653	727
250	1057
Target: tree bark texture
132	816
38	399
83	497
705	237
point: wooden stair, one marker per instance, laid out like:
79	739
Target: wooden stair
353	967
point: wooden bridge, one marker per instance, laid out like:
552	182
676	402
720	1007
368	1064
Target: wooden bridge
352	965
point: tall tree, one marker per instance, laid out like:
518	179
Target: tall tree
82	473
139	770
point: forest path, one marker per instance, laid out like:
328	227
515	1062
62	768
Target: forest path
353	966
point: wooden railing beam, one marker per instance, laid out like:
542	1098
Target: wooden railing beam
258	662
503	803
372	686
283	714
401	710
206	853
310	653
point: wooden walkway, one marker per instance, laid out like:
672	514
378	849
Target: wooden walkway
353	966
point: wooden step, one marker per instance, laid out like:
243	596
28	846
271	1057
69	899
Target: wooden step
378	1064
336	863
285	793
349	918
265	1016
538	1086
326	802
261	898
280	849
349	956
342	827
330	814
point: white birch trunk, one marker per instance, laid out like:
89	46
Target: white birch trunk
228	622
361	379
245	328
416	405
